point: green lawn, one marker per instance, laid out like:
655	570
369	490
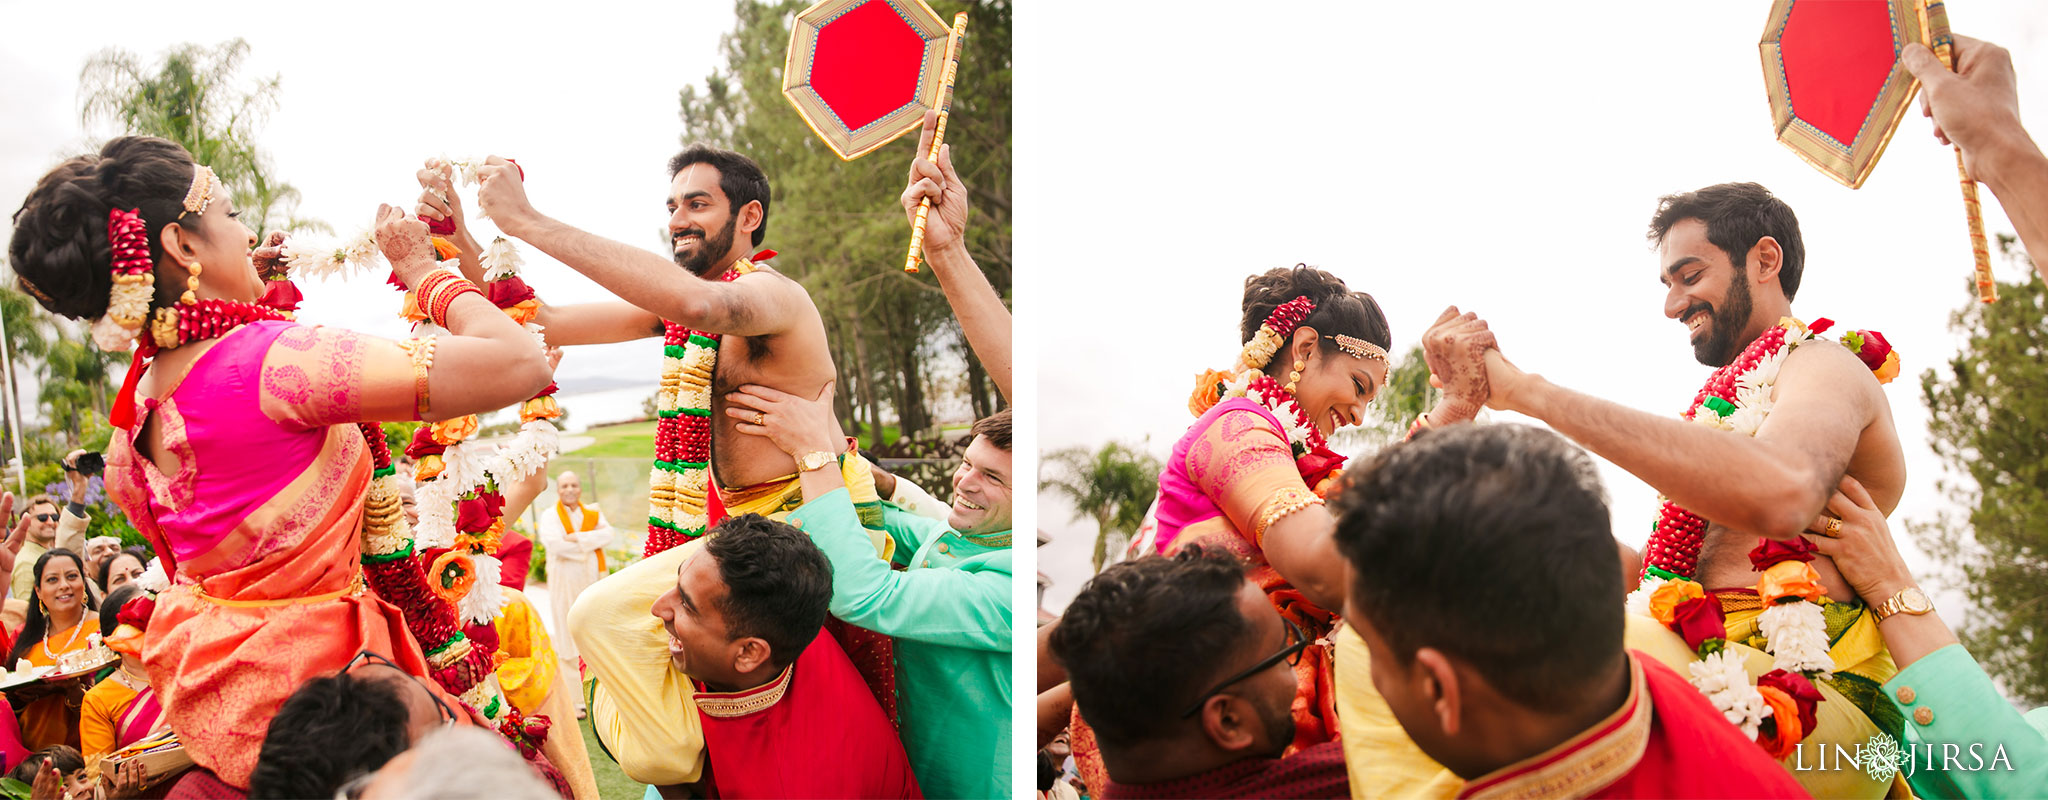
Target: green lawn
611	783
629	440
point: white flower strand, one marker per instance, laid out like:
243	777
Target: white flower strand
1797	637
485	597
1722	678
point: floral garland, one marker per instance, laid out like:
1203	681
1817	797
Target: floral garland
392	567
1778	710
679	485
459	499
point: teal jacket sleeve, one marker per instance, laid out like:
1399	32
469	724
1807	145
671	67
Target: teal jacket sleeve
963	606
1965	739
909	530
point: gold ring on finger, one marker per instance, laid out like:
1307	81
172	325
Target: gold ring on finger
1833	529
760	418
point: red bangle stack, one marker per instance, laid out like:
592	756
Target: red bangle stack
437	292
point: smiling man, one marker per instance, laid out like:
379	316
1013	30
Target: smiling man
948	608
1796	419
777	707
725	321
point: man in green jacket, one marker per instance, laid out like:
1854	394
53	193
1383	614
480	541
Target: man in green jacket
1962	738
948	609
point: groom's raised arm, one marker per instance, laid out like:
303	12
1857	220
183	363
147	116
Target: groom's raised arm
658	289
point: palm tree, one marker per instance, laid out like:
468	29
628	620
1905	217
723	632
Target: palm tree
1114	484
192	98
27	334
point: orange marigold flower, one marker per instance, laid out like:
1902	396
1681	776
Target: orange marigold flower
540	408
450	431
1665	601
451	576
1890	370
428	467
524	312
411	310
1208	391
445	248
1781	733
1790	579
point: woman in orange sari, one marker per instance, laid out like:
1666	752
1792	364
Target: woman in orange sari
243	462
57	623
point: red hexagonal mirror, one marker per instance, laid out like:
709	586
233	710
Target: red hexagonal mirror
863	72
1836	85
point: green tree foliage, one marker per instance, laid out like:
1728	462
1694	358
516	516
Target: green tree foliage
1113	485
193	96
841	230
1988	421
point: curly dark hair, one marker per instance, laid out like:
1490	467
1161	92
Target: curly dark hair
1339	311
1490	543
1147	636
778	585
330	731
60	246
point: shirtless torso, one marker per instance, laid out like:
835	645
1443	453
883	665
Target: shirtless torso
1877	461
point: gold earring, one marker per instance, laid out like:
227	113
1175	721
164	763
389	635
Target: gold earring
192	286
1295	376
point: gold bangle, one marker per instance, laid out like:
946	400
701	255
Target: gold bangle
1285	502
422	352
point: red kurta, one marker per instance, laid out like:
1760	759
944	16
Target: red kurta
816	731
1666	740
1312	772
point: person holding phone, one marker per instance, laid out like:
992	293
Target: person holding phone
45	526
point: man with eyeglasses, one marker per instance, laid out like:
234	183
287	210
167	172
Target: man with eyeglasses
339	727
1181	666
44	527
1486	585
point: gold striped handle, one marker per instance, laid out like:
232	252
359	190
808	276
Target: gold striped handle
1943	44
924	207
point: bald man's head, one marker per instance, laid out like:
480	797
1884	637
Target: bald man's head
569	489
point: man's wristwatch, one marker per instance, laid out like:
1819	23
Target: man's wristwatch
1909	600
816	460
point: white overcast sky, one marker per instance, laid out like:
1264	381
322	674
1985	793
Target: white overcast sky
586	102
1498	156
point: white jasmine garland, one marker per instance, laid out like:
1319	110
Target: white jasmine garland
1797	637
110	336
500	260
486	597
436	500
1722	678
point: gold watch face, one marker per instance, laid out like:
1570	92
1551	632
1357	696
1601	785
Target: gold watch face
1913	601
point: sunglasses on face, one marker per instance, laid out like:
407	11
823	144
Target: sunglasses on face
1297	641
448	717
46	517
